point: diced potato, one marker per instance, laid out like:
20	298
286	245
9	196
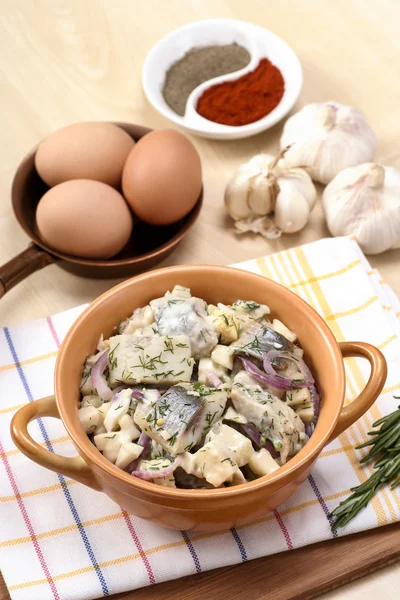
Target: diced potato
252	309
181	292
140	318
127	453
90	418
100	429
104	408
222	355
128	427
118	409
262	463
238	478
110	443
206	365
217	461
305	412
211	309
283	330
156	465
233	415
92	400
226	325
297	397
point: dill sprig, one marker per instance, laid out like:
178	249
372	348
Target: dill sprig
385	451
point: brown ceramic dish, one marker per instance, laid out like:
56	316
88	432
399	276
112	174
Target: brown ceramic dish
148	245
198	509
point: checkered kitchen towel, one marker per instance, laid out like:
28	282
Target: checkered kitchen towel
62	540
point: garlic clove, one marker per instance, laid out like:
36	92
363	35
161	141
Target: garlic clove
364	201
261	195
303	183
291	209
236	196
326	138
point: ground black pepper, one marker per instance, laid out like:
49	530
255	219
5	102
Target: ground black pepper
199	65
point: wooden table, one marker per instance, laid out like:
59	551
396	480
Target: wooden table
67	61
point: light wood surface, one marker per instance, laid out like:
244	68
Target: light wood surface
67	61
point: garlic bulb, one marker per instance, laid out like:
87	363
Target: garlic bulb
266	196
326	138
364	201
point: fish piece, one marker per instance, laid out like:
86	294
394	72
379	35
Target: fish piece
176	315
274	419
156	360
180	418
259	339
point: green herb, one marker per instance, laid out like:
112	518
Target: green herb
232	463
203	335
172	439
118	327
188	447
249	305
113	359
385	451
110	437
180	345
85	378
175	301
149	363
255	343
139	347
118	407
169	346
210	418
225	319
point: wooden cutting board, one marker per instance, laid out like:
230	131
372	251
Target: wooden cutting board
289	576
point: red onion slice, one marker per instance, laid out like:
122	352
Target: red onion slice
255	437
98	382
281	383
144	441
149	475
137	394
213	379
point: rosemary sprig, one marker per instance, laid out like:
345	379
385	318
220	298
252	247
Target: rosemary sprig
385	451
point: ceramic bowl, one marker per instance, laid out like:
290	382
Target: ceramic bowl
147	246
198	509
258	41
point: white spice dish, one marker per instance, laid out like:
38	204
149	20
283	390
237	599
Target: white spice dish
259	42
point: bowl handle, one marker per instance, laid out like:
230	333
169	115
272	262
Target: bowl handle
353	411
27	262
74	467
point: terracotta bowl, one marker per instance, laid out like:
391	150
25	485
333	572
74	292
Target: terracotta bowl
198	509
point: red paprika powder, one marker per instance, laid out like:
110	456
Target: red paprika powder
243	100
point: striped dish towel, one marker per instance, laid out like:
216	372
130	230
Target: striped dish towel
60	540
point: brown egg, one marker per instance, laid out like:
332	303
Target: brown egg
84	151
161	179
84	218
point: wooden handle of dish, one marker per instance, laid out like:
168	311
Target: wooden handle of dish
353	411
74	467
27	262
